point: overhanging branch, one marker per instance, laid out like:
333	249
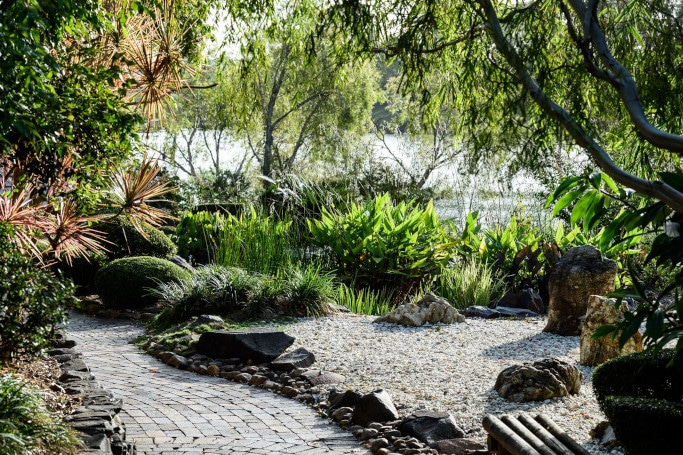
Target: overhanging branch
656	189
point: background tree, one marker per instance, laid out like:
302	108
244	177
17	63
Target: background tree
291	103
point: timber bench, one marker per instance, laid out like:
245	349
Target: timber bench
524	435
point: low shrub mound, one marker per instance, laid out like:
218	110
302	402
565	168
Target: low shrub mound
643	400
128	241
645	426
239	295
125	283
641	374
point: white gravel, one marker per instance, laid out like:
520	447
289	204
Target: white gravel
449	367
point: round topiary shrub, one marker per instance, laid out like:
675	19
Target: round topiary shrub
645	426
128	241
641	374
124	283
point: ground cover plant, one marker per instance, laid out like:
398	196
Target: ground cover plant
26	426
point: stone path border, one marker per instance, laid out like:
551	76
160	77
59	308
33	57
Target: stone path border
169	411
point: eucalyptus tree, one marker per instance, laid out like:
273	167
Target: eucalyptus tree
293	104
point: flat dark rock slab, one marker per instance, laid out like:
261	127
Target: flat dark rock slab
257	346
300	358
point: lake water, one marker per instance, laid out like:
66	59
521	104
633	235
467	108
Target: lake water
486	192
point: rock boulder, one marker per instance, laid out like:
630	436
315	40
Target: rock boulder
430	309
580	273
538	381
257	346
601	312
431	427
374	407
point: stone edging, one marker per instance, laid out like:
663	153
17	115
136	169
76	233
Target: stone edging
310	386
97	420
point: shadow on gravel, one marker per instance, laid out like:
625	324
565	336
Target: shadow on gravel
536	347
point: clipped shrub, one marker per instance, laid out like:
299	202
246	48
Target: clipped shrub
643	400
128	241
645	426
26	427
641	374
379	244
32	302
125	283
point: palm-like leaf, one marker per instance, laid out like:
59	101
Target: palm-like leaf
134	190
70	234
153	49
24	219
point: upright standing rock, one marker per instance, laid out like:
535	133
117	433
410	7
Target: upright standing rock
601	312
580	273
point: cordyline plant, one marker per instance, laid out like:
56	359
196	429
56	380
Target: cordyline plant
51	225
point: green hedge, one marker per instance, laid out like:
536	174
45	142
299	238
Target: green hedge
641	374
128	241
643	400
124	283
645	426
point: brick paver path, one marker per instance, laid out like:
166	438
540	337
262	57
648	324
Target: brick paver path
168	411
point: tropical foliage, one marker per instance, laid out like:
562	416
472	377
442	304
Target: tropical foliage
381	244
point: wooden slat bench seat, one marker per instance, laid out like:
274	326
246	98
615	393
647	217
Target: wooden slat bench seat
524	435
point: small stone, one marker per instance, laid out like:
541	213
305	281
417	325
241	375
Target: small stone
368	433
258	379
243	378
342	413
288	391
379	443
177	361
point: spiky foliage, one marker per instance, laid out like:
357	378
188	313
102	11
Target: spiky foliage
135	189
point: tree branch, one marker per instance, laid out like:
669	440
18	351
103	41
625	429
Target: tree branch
656	189
624	83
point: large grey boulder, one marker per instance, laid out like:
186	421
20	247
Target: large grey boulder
431	427
374	407
256	345
580	273
430	309
538	381
601	312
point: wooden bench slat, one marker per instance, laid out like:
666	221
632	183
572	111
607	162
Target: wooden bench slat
527	435
507	438
561	435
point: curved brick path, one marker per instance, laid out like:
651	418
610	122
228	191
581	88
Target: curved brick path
168	411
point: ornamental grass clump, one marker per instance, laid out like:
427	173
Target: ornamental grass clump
379	244
365	301
26	427
472	282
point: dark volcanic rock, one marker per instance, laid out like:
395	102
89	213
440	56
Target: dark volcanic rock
257	346
430	427
300	358
374	407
